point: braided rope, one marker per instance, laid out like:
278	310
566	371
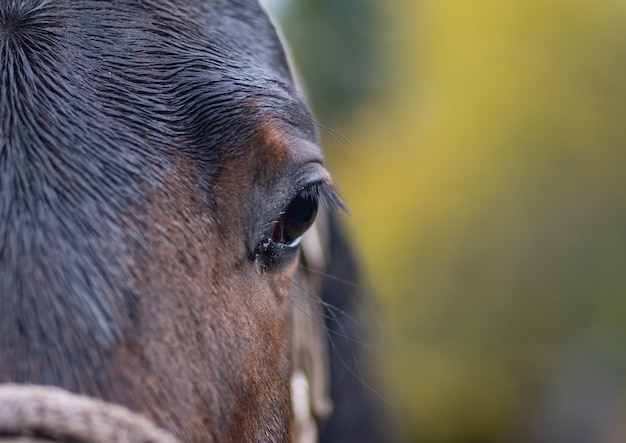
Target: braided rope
34	414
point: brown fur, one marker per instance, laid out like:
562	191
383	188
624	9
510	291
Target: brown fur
146	147
218	307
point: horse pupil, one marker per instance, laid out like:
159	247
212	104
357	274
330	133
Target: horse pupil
298	217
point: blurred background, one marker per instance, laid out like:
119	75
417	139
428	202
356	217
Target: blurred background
481	148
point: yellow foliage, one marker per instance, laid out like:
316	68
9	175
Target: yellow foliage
488	194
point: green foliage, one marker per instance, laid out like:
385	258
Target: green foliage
334	44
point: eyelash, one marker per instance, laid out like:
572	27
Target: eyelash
280	243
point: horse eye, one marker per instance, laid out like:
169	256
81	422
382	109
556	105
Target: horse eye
279	246
295	220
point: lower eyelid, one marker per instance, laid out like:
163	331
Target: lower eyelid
295	243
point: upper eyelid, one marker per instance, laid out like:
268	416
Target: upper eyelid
324	192
311	173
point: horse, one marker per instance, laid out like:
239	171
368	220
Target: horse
160	173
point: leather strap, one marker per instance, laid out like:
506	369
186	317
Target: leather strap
310	382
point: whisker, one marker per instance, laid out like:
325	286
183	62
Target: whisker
332	315
357	374
332	277
336	135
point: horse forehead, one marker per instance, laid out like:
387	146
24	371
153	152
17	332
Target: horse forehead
235	33
217	68
231	35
